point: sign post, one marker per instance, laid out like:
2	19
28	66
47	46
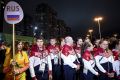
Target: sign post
13	14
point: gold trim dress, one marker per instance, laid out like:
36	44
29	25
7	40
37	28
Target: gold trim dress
21	58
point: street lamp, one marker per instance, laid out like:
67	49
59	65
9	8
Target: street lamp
34	30
90	31
88	35
98	19
35	27
115	35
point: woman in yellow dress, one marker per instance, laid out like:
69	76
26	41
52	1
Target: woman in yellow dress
21	63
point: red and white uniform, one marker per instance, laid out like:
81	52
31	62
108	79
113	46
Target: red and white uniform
89	63
53	51
102	60
67	57
116	64
37	57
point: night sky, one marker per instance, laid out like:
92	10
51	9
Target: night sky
79	14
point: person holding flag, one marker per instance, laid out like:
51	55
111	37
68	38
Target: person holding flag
21	63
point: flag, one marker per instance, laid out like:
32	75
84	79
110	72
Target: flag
12	17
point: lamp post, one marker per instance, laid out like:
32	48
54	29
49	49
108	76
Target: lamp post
90	31
87	35
115	35
98	19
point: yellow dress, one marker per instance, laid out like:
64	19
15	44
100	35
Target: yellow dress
21	59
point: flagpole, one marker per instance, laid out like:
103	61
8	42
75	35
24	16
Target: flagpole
14	47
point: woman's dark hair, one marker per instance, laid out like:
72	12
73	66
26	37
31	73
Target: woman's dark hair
26	46
16	44
96	46
113	43
84	46
16	49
